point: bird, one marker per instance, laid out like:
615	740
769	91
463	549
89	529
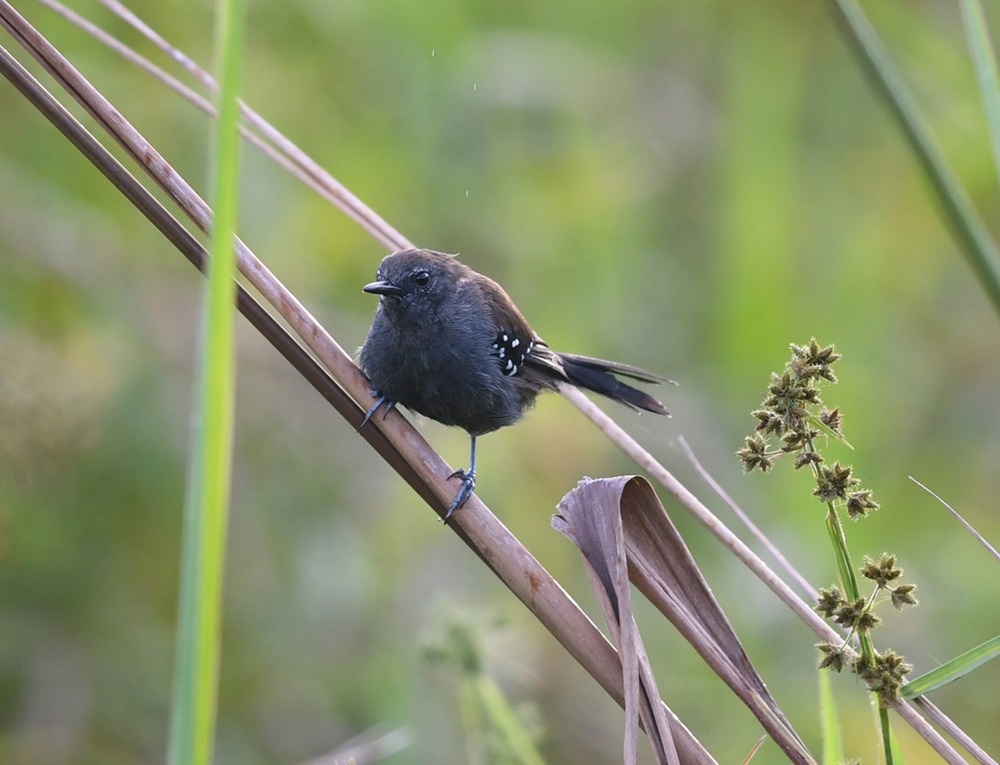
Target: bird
449	343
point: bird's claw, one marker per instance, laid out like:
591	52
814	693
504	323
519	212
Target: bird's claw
379	401
468	486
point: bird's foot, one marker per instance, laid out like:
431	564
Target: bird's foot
468	486
379	401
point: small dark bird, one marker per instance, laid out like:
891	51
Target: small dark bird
450	344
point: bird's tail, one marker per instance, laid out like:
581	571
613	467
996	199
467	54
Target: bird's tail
598	375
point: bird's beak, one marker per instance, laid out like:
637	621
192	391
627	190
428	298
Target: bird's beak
382	288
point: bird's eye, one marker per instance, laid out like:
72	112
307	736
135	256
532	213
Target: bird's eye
422	278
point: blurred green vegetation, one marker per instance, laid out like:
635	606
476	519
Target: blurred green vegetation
687	187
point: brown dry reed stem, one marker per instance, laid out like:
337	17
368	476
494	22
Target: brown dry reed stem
811	592
948	726
276	146
424	469
303	167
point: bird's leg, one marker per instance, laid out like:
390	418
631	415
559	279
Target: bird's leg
379	401
468	483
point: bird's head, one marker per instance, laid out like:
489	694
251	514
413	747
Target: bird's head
416	283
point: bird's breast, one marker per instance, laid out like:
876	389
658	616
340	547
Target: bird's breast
447	371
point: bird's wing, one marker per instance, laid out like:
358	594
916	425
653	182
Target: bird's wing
516	345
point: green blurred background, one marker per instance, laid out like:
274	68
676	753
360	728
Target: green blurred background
684	186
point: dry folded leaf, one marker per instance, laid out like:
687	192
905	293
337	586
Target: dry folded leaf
620	526
603	551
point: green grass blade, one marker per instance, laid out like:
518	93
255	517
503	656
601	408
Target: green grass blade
952	669
890	746
193	712
985	63
833	743
972	235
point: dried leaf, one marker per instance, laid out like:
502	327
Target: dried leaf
621	527
588	519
